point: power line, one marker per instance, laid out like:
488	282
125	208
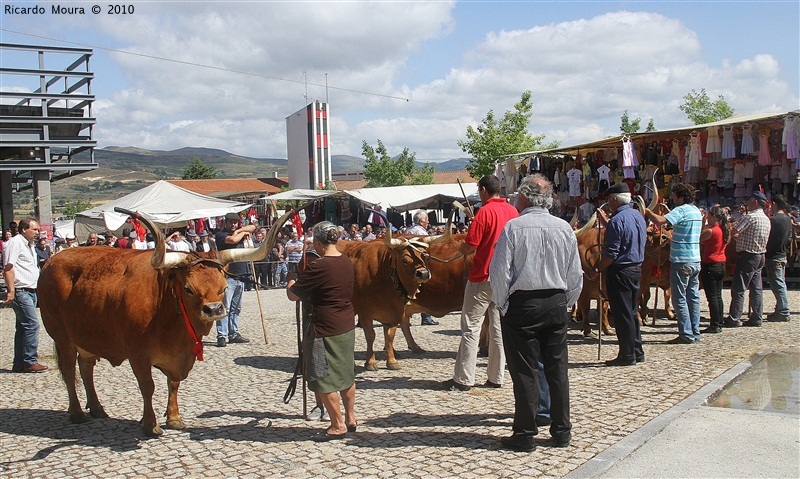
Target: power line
305	82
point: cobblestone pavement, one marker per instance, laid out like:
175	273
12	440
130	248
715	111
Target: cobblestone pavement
238	425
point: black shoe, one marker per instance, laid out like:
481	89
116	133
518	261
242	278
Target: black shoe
238	339
640	359
429	322
484	352
730	323
753	323
451	385
518	442
680	340
774	318
221	342
713	329
543	421
621	362
489	384
562	441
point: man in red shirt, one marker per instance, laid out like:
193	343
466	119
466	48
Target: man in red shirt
481	239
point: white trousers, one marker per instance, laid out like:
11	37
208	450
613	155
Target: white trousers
477	303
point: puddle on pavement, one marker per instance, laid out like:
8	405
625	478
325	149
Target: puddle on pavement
772	384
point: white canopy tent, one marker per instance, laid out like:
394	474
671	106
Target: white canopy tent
407	197
167	204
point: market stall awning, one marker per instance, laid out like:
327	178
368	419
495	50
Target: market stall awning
772	120
413	196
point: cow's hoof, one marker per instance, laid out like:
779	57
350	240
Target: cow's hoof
78	418
370	367
176	424
392	366
417	350
153	431
98	412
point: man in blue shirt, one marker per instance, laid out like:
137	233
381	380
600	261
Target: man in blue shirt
684	258
623	254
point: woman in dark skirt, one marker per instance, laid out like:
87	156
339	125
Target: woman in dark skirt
327	286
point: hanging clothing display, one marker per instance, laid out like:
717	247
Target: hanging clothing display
629	158
728	145
747	139
574	176
763	147
790	133
694	153
712	144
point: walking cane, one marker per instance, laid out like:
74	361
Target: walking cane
260	309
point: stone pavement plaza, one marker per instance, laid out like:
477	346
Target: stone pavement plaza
238	425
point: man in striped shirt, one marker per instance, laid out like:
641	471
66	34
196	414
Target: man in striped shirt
751	233
684	258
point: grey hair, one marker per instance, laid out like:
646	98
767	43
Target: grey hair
537	191
326	232
420	216
623	198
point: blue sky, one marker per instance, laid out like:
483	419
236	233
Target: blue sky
585	63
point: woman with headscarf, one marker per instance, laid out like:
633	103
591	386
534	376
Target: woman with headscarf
327	286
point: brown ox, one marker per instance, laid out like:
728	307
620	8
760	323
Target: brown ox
655	271
590	247
99	302
388	275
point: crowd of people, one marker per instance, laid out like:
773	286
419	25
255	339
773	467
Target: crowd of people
526	275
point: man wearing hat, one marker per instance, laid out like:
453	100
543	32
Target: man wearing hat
233	237
684	257
205	244
623	255
751	233
71	243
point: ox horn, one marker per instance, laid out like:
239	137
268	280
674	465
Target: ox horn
161	259
589	225
574	220
654	201
241	255
387	237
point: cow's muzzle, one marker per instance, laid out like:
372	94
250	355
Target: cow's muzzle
213	311
422	275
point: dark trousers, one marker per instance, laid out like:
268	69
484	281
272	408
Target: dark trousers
535	329
622	285
747	276
711	275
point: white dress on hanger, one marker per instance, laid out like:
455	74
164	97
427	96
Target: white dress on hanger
693	160
728	145
712	144
747	140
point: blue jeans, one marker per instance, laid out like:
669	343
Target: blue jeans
26	338
776	270
685	283
229	325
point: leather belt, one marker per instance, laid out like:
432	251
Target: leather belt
28	290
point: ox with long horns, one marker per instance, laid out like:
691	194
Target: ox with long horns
151	308
388	277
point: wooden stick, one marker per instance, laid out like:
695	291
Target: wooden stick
260	309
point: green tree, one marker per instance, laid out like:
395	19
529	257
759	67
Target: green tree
382	170
74	207
628	126
700	109
650	126
495	138
197	170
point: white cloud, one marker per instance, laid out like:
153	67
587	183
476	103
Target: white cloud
583	74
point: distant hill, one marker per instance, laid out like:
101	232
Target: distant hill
124	170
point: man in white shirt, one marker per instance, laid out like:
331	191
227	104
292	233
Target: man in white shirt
21	273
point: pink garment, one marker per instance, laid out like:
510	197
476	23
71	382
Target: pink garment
629	154
763	149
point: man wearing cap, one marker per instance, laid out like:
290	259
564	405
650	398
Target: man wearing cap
751	233
684	257
623	255
22	275
233	237
71	243
205	244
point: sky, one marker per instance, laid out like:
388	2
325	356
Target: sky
413	74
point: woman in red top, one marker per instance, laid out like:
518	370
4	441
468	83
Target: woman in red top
713	238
